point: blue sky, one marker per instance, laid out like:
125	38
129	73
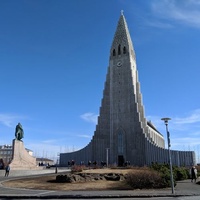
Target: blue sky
53	63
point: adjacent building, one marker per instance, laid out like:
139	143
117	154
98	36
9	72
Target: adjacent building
122	133
44	162
5	154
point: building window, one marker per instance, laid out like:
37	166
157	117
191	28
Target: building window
114	53
124	50
120	142
119	49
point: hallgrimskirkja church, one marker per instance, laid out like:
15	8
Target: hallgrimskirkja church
122	132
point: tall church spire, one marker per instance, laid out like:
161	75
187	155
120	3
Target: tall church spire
122	39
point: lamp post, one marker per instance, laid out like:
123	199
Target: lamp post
107	156
170	160
56	169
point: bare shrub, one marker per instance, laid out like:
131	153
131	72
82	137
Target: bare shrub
77	168
145	178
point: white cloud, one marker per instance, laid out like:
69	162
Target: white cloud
84	136
189	121
194	117
158	24
196	133
186	140
186	11
89	117
10	120
49	141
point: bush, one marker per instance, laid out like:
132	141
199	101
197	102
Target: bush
165	174
181	173
62	179
145	179
77	168
164	169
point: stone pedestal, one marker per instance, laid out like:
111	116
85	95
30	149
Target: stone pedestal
21	158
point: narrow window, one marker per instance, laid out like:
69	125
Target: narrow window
114	53
124	50
120	143
119	49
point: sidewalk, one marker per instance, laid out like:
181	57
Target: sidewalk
40	170
183	188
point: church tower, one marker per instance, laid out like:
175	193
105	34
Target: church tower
126	112
122	132
121	120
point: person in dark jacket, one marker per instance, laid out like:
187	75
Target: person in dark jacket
193	174
7	169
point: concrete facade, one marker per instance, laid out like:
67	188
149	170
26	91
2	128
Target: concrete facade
123	133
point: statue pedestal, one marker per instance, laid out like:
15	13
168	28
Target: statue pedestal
21	158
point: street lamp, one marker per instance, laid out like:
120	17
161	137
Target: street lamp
56	169
170	160
107	156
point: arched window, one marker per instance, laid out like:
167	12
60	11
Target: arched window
119	49
114	53
124	50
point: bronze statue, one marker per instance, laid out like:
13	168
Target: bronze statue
19	133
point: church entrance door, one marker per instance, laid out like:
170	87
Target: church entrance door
120	160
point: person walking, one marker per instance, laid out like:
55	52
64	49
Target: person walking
7	169
193	174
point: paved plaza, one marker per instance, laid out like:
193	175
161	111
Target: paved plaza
183	188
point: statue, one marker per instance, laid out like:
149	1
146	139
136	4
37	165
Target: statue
19	133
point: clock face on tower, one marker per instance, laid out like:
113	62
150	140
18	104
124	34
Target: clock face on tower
119	64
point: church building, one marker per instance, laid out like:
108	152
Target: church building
122	132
